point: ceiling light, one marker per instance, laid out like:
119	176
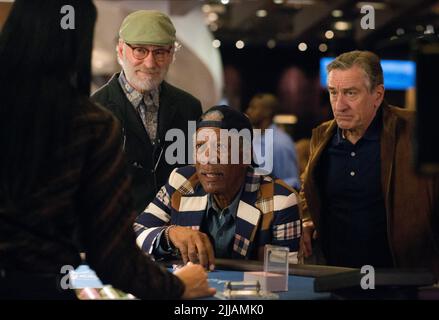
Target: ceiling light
278	1
329	34
239	44
225	1
216	43
302	46
342	25
337	13
323	47
261	13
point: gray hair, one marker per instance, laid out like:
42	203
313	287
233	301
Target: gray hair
368	61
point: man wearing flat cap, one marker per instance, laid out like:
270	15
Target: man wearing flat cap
146	105
220	207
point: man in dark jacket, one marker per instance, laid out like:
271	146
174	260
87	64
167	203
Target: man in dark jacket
145	104
361	196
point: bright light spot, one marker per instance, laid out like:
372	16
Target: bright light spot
225	1
302	46
323	47
278	1
261	13
342	25
329	34
239	44
216	43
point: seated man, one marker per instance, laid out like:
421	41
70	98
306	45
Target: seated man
220	207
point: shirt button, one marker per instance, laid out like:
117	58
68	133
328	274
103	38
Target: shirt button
352	173
353	154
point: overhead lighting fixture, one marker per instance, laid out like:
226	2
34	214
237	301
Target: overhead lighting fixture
216	43
342	25
225	2
261	13
271	43
329	34
302	46
337	13
278	1
240	44
323	47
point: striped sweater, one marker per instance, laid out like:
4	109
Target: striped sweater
84	205
267	213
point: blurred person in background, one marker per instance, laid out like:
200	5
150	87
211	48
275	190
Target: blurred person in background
261	110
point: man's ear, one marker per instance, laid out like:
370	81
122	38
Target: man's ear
119	49
379	95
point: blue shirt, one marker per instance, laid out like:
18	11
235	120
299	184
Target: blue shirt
354	225
284	155
219	225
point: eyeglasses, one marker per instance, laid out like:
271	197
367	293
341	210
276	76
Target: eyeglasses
159	55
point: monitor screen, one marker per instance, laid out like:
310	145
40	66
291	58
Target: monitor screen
398	74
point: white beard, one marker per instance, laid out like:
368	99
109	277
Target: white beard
143	84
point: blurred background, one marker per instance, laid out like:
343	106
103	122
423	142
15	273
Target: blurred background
233	49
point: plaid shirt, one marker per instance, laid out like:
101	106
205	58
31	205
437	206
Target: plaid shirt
267	213
146	105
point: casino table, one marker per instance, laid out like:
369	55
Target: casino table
300	280
303	281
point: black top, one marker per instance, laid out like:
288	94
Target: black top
146	159
354	226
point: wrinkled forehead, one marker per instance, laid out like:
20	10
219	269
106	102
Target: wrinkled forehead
353	77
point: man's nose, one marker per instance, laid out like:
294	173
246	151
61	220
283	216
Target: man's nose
339	103
149	61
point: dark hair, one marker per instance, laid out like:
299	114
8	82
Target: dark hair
45	74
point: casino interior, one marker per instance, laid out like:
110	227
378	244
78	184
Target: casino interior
232	50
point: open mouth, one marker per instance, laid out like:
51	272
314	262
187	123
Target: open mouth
212	174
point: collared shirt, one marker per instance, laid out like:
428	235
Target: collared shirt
220	225
146	105
284	155
354	223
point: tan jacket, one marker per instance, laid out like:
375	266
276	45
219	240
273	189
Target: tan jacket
412	202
